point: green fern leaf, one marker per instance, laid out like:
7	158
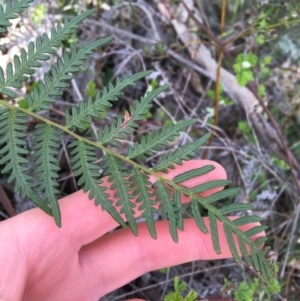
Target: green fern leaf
244	220
42	95
87	109
184	152
235	207
13	124
84	168
256	230
168	207
153	141
214	231
178	206
11	9
141	187
255	262
231	243
195	207
46	148
244	251
138	111
232	192
260	241
117	175
40	52
209	185
197	172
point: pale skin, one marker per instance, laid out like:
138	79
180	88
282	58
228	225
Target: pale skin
78	262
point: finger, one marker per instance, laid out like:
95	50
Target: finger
83	222
119	257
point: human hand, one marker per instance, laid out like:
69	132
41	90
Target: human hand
82	260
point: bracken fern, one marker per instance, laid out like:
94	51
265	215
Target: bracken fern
129	179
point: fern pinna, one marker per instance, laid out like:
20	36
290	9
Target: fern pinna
127	177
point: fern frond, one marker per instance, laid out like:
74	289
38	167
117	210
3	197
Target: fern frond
91	108
184	152
116	171
16	72
13	124
43	94
138	111
141	187
46	148
88	173
11	9
128	181
153	141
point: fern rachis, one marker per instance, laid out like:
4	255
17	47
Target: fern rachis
136	187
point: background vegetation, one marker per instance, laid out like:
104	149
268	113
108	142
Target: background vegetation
234	66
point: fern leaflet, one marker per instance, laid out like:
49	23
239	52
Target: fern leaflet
13	124
116	172
84	167
40	52
154	140
82	114
43	93
10	12
46	148
141	187
138	111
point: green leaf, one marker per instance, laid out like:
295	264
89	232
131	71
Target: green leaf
43	94
83	165
141	187
11	10
244	251
116	172
231	243
235	207
193	173
210	185
43	46
92	107
197	215
255	230
153	141
46	148
244	220
244	77
13	124
232	192
138	111
184	152
168	207
214	232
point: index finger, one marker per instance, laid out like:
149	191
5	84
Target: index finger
84	223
